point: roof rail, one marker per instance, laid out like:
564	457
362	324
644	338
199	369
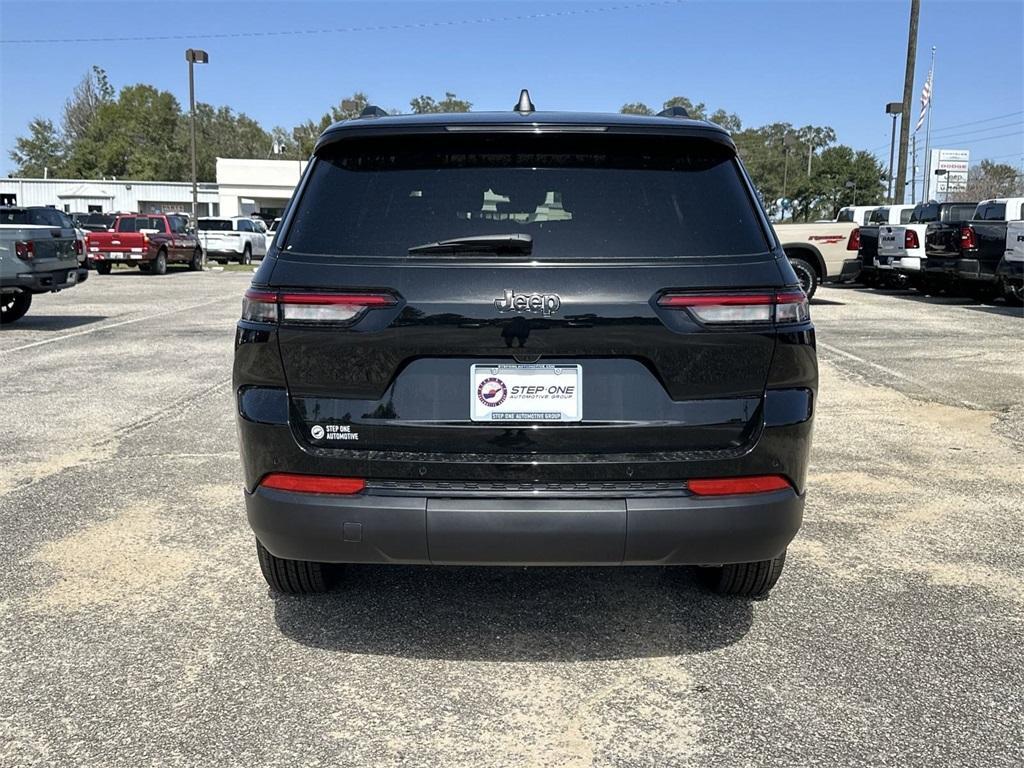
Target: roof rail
373	111
676	111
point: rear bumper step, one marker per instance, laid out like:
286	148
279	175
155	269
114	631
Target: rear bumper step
643	530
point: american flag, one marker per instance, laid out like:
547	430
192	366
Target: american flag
926	100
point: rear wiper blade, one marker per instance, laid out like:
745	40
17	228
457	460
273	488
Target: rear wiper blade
510	243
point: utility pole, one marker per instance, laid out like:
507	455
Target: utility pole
194	56
893	108
908	92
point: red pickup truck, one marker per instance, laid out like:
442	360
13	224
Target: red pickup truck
150	242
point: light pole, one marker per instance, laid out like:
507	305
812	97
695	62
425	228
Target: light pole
852	185
940	172
194	56
893	108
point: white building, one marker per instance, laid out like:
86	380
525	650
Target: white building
85	195
243	187
256	186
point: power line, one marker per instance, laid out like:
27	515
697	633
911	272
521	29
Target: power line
975	122
350	30
1019	126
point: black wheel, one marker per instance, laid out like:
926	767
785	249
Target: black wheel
13	306
246	257
159	265
198	262
292	577
746	579
103	268
806	274
1013	293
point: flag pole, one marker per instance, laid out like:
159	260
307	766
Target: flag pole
928	132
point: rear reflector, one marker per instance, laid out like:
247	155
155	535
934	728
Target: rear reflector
729	486
339	486
327	308
712	309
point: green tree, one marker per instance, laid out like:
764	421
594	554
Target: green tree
135	137
92	90
636	108
305	135
42	151
220	132
422	105
845	177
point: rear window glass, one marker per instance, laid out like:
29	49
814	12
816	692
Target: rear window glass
959	212
215	225
579	197
905	215
880	216
991	212
926	213
845	215
139	223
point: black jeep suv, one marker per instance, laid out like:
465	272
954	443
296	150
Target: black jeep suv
525	338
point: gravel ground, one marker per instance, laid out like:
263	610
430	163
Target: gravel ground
135	628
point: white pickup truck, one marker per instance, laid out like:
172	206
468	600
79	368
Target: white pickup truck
237	238
817	251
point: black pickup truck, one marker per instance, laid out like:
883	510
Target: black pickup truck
934	228
969	258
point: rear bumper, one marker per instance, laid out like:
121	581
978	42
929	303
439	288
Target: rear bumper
652	530
49	281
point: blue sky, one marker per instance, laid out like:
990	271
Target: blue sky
831	63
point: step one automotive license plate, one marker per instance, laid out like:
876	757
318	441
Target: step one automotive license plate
526	393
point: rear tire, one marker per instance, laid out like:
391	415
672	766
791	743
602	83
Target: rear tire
103	268
246	257
807	275
159	265
746	579
1013	293
292	577
13	306
198	263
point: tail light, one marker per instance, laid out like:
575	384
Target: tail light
311	308
79	248
337	486
718	309
145	240
968	241
24	249
729	486
910	240
853	244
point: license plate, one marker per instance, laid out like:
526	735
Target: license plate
115	255
526	393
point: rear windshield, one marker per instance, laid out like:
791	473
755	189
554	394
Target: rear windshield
215	225
579	197
139	223
991	212
905	215
959	212
880	216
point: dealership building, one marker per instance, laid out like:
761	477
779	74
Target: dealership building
243	188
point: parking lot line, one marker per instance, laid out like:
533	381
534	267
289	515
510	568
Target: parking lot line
108	326
898	375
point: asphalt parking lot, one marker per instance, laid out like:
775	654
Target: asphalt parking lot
135	628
